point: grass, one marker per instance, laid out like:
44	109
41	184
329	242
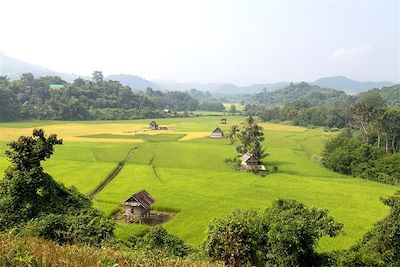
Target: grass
190	176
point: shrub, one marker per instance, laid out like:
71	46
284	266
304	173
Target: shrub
285	235
158	239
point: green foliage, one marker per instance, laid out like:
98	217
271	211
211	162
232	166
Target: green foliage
251	137
380	246
28	151
292	231
233	133
85	226
30	98
285	235
31	199
158	239
212	106
302	91
235	240
391	95
232	110
348	155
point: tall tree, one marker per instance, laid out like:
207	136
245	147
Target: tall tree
232	109
233	133
366	111
251	137
97	77
32	201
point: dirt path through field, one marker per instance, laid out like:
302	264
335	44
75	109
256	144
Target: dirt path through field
114	174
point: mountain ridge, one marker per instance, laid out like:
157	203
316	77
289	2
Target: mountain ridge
13	68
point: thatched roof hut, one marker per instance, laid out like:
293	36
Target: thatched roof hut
217	133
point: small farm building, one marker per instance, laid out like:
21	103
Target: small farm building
138	206
249	162
217	133
223	121
154	125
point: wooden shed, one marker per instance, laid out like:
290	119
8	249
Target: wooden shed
249	162
223	121
138	206
154	125
217	133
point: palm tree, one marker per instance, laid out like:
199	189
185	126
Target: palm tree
233	133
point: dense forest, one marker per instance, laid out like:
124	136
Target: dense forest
309	105
369	147
52	98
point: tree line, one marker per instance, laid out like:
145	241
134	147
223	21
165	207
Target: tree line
34	98
306	105
370	147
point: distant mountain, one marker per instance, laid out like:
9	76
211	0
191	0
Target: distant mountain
133	81
13	68
349	86
219	88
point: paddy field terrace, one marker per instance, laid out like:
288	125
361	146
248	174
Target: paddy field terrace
186	172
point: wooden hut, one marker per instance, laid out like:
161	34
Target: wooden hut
249	162
217	133
223	121
154	125
138	206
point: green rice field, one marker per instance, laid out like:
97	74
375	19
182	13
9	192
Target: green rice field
186	173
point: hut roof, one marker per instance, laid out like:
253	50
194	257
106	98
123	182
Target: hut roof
218	130
153	122
247	156
141	198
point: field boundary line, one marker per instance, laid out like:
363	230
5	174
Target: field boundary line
113	174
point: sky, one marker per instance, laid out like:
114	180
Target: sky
241	42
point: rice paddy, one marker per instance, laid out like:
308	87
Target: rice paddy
186	172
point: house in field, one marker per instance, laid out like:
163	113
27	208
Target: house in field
217	133
137	207
154	125
223	121
249	162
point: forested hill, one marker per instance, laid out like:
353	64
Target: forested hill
391	95
313	94
348	85
52	98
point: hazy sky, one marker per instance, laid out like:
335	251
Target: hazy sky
242	42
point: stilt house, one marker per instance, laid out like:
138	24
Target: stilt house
137	207
250	162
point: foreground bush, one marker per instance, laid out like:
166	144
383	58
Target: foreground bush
158	239
32	202
284	235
